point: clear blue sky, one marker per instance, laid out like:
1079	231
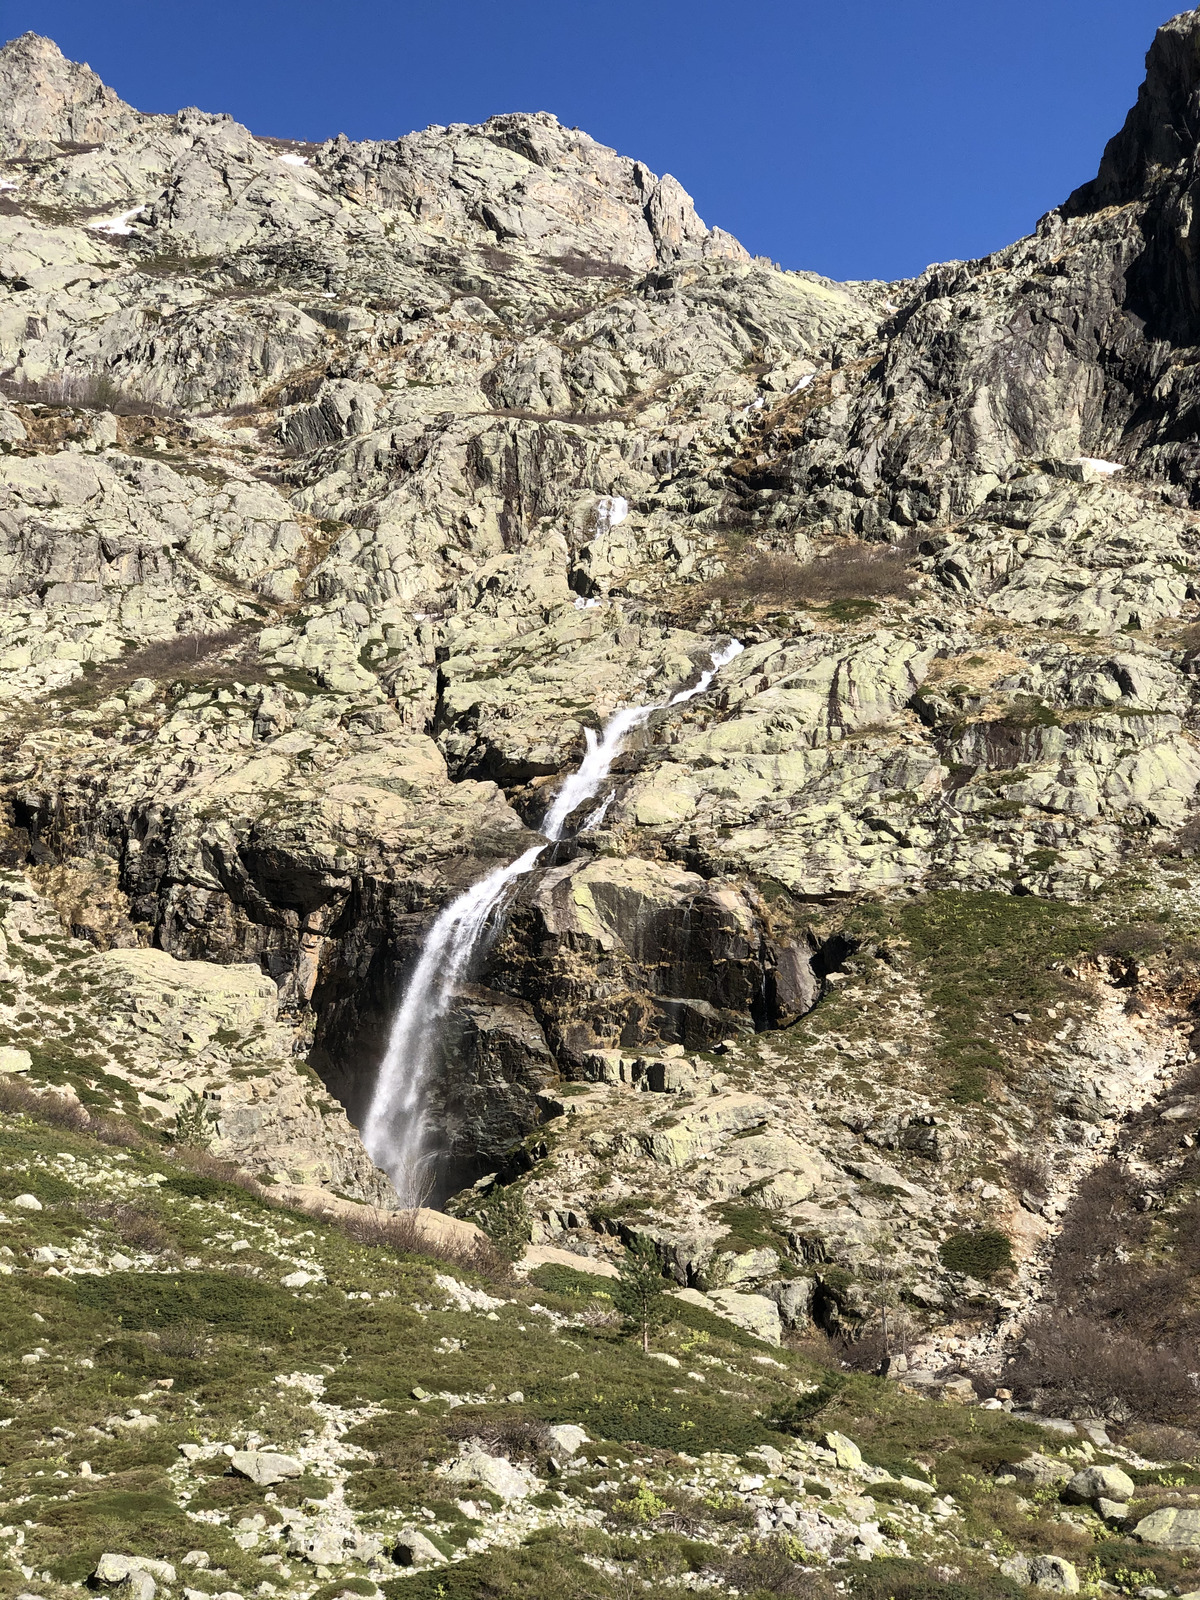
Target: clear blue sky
862	138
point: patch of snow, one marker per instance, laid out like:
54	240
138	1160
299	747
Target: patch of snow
119	224
890	305
586	605
5	184
1099	465
611	509
291	159
802	383
755	405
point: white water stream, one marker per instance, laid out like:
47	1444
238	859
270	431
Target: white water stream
397	1130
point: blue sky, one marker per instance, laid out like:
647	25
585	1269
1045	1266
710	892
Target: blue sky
861	139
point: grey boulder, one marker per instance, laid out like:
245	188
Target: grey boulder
1099	1483
265	1466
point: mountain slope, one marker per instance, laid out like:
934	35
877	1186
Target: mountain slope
345	488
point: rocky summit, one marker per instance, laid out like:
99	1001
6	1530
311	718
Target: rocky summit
808	1091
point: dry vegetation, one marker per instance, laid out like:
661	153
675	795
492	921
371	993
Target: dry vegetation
1119	1336
90	391
850	574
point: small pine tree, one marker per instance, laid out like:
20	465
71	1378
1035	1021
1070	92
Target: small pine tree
640	1293
195	1124
505	1219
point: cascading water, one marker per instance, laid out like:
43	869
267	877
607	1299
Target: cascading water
601	753
396	1130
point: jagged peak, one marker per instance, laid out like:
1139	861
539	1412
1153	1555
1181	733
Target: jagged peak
48	100
1162	130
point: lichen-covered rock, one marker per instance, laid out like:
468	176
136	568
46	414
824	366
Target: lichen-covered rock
265	1466
476	1465
1095	1483
1172	1527
1054	1573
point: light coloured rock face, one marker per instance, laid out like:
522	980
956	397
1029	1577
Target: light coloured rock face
1170	1527
346	490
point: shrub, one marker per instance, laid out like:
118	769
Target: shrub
981	1254
557	1279
195	1124
507	1433
1132	942
184	1340
504	1217
798	1417
20	1100
152	1301
1081	1366
137	1227
773	1567
1161	1442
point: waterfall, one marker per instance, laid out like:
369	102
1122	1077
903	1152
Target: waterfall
397	1130
602	752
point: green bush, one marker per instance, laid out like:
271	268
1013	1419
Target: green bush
981	1254
147	1301
810	1405
195	1187
556	1279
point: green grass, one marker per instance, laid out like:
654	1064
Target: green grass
203	1349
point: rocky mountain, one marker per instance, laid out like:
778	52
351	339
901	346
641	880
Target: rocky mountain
347	490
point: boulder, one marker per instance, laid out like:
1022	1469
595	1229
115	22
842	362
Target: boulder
846	1452
114	1569
1096	1483
1171	1527
503	1477
568	1437
1039	1470
413	1549
265	1466
138	1585
13	1059
1053	1572
754	1312
1112	1510
26	1202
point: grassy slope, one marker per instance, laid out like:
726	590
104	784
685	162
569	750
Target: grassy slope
198	1331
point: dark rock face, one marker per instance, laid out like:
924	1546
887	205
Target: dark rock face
627	953
496	1063
1150	167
